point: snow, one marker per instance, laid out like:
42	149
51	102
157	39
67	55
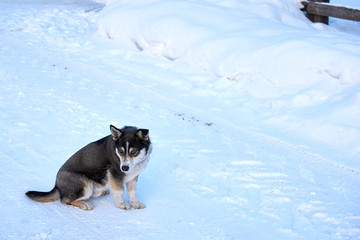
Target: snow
252	110
344	25
275	67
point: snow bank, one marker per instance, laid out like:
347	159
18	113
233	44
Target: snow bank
266	50
267	43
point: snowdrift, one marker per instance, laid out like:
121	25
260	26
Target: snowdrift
267	42
266	50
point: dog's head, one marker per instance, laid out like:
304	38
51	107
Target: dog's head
132	146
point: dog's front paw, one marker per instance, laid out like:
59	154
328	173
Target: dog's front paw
137	205
123	205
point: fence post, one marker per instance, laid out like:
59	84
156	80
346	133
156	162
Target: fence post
318	18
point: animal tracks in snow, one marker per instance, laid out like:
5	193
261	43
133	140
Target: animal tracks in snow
261	177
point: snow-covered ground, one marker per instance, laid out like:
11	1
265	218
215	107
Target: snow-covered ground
253	112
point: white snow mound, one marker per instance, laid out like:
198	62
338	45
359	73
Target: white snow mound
269	46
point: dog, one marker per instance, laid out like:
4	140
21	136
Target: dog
113	161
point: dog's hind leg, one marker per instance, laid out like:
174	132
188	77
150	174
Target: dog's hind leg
75	189
82	204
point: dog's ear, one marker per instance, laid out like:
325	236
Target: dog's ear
143	134
115	132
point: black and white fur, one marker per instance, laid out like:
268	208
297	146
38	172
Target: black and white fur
113	161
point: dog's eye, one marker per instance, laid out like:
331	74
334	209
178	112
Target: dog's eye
134	152
121	151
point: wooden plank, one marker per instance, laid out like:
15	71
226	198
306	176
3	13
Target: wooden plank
316	17
332	11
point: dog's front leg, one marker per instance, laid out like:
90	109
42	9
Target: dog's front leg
131	190
117	187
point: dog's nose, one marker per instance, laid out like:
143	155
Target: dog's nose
125	168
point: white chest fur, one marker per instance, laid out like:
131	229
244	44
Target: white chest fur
138	168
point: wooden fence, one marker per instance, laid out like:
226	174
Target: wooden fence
321	10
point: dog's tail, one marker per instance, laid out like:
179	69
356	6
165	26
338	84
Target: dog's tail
44	197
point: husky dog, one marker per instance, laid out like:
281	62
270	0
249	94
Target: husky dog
114	160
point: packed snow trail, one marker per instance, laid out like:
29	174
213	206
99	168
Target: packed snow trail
208	177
